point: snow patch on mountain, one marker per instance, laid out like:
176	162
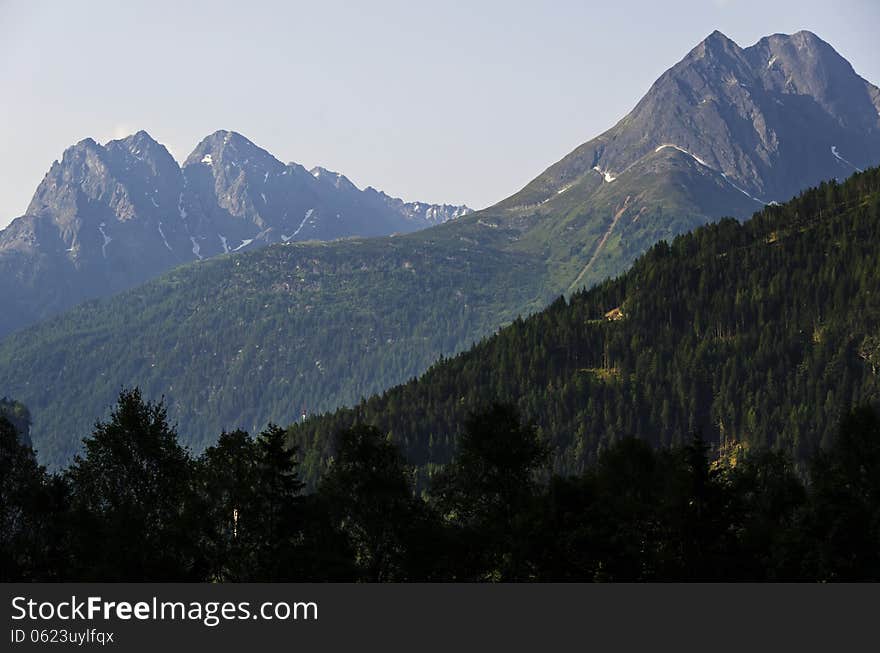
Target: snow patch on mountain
225	244
840	158
196	248
107	239
743	191
164	239
303	223
681	149
208	160
244	243
606	175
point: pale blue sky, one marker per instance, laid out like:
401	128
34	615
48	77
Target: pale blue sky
442	102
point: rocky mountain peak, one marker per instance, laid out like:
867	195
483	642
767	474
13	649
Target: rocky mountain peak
141	145
82	170
802	65
231	149
712	62
714	44
141	156
335	179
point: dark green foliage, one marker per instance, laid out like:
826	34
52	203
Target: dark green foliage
762	333
227	476
132	492
844	508
18	415
30	513
277	521
369	497
636	514
487	493
238	342
673	514
766	501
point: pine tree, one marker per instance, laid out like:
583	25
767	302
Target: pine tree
488	492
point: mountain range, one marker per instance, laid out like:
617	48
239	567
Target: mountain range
109	217
307	327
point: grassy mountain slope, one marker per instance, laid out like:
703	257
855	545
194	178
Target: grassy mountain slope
587	240
761	333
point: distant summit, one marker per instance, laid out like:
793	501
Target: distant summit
108	217
723	132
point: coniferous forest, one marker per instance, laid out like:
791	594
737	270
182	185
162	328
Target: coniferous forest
709	415
138	506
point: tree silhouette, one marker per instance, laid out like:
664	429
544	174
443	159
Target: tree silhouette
132	492
369	495
277	520
228	488
843	520
25	511
489	491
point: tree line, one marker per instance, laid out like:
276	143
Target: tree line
137	506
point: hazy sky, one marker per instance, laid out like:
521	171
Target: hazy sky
442	101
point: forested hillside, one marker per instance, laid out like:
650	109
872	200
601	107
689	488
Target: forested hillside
760	333
239	341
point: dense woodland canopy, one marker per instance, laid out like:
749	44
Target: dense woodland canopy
137	506
237	341
760	334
